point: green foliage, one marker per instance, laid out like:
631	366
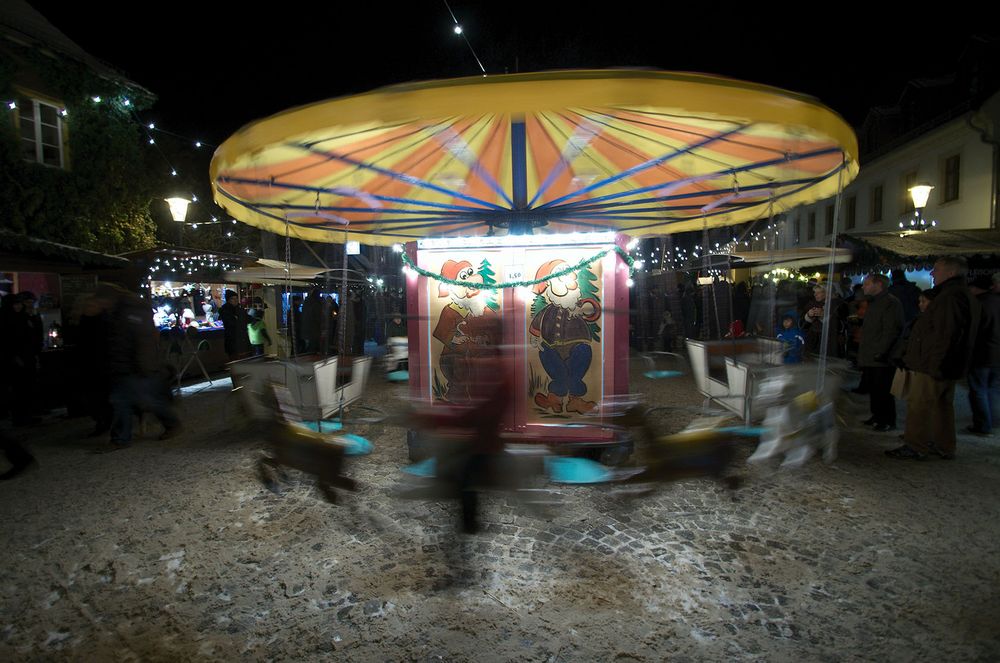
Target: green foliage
537	304
439	387
589	290
101	202
489	278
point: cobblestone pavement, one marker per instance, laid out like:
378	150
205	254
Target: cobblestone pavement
173	551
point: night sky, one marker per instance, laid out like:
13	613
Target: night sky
215	70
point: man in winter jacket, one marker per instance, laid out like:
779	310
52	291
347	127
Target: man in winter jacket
883	324
939	355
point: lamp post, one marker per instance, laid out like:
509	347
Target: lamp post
919	193
178	211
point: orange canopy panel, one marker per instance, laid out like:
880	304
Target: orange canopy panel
642	152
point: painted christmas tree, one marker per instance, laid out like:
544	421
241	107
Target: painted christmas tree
589	290
489	278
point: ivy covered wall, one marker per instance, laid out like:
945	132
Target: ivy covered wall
102	200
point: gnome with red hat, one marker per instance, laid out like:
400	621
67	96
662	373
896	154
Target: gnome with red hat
562	334
467	328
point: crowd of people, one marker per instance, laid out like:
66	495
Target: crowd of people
914	345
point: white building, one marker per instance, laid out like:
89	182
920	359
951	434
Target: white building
957	155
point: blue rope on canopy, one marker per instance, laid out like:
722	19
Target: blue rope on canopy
641	167
728	171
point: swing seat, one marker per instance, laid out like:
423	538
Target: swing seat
563	469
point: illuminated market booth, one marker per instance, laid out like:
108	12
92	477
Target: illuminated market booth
185	289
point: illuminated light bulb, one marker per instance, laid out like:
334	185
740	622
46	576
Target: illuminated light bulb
152	142
173	172
152	126
197	143
194	198
126	102
64	112
234	222
194	225
96	100
457	29
630	282
12	105
397	248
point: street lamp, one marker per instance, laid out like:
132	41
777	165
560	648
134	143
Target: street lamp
919	193
178	211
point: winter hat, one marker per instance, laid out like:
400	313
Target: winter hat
450	270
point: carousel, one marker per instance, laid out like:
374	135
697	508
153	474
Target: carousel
512	200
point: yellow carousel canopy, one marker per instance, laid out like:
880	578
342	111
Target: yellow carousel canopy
643	152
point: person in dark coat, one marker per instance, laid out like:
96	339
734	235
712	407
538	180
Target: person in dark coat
136	381
18	457
907	293
395	328
23	342
234	322
93	332
689	311
984	375
939	355
312	322
883	325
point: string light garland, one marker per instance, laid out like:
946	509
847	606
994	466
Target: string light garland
409	264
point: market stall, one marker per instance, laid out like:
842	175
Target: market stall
186	288
60	277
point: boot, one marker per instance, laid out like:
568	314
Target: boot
549	402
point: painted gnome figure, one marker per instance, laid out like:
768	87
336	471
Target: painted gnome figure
562	333
467	328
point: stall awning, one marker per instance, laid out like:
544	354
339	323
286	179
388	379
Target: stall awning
761	262
934	243
269	271
30	254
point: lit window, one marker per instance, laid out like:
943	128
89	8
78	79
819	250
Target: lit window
41	132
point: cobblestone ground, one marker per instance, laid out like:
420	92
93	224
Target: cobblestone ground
172	551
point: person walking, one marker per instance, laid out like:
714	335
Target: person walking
136	381
883	325
938	355
984	375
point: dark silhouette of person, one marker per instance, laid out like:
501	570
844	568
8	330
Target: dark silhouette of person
234	322
312	322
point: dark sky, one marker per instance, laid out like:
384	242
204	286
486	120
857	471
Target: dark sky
217	66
